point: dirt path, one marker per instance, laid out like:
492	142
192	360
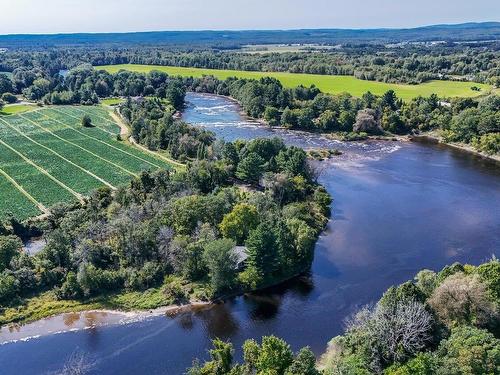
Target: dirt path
124	132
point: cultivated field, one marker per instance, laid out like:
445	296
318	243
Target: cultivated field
326	83
47	156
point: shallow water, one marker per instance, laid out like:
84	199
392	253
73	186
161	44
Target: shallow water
399	207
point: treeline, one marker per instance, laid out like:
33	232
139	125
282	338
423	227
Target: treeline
178	231
84	85
439	323
405	64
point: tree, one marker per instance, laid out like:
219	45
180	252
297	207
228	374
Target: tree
463	299
471	351
8	287
239	222
10	246
367	121
389	100
86	121
275	356
5	84
303	364
422	364
7	97
272	115
393	331
392	122
250	168
292	160
261	248
221	262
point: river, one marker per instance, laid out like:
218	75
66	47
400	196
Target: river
398	207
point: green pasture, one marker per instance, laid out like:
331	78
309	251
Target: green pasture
326	83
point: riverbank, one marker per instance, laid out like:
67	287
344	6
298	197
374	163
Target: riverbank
432	137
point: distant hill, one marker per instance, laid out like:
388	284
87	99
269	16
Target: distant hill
234	39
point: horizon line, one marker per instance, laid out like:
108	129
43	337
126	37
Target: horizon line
247	30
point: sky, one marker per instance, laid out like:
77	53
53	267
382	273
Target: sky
69	16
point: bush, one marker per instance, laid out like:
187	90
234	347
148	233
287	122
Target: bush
86	121
488	143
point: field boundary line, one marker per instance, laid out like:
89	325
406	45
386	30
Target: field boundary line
43	171
80	147
19	187
62	157
103	142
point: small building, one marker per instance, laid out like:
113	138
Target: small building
241	255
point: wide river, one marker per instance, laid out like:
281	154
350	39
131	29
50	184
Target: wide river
398	208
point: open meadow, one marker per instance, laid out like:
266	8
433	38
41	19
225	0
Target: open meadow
326	83
47	156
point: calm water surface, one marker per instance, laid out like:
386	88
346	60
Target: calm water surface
399	207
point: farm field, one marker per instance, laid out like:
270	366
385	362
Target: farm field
326	83
46	157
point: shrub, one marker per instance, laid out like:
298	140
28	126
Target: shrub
86	121
488	143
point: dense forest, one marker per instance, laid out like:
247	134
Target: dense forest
406	64
444	323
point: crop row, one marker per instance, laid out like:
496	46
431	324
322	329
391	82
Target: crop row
104	125
14	202
37	184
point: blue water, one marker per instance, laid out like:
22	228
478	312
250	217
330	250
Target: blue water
398	208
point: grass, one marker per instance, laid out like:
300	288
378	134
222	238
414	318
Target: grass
12	109
111	101
46	304
51	157
326	83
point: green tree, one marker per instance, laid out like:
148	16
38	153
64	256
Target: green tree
10	246
303	364
275	356
221	263
250	168
239	222
469	351
262	252
272	115
8	287
292	160
86	121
